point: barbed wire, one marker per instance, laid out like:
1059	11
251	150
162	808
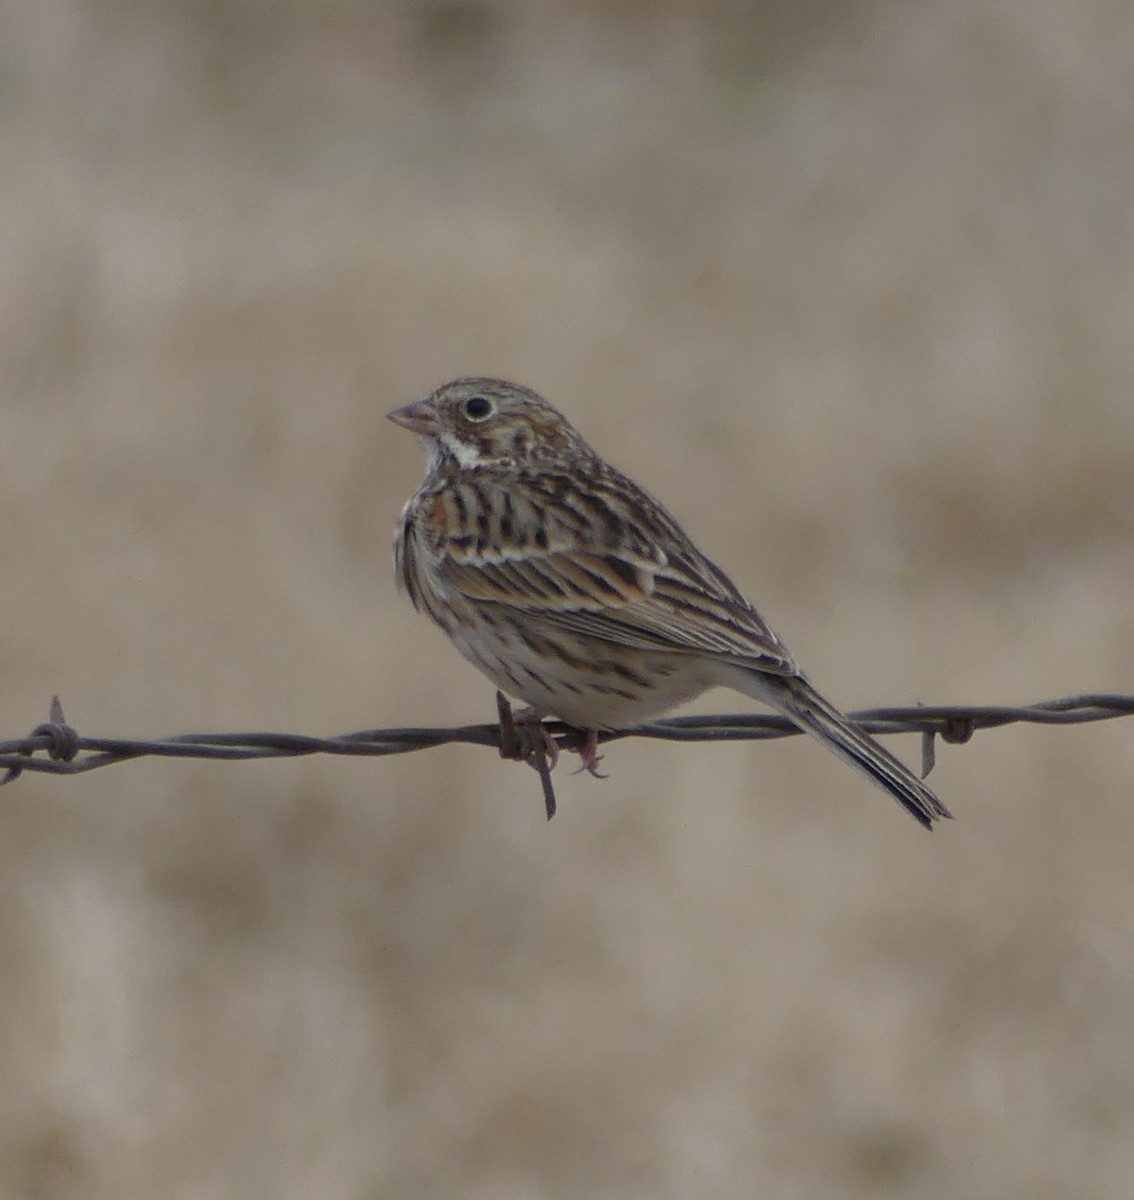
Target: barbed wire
70	753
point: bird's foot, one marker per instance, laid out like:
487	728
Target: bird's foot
589	755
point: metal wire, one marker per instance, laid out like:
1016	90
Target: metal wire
69	753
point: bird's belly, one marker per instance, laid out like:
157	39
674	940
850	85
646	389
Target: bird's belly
583	681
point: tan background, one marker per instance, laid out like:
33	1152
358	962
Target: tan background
852	288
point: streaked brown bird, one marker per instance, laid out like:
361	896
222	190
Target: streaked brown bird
574	590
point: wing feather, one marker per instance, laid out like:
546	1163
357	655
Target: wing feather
597	558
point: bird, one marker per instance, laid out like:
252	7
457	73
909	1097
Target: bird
575	591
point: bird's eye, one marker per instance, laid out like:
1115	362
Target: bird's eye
478	407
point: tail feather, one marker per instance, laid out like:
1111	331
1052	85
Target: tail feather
796	698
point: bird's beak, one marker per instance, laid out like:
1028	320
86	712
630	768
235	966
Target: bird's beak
419	417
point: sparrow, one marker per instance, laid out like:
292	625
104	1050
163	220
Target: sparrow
574	590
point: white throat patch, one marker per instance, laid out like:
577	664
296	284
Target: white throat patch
468	456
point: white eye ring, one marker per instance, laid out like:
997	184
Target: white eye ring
478	408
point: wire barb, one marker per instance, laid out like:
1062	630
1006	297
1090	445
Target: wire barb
529	741
61	741
69	753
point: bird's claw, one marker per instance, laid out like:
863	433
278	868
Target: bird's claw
589	756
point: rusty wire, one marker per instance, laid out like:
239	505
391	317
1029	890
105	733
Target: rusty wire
69	753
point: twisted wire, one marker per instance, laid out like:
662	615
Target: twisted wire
67	752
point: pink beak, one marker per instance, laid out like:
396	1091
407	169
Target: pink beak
419	417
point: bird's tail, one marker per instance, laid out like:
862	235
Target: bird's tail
796	698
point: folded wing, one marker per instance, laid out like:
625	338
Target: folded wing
590	560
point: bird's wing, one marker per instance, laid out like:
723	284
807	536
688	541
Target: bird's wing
599	559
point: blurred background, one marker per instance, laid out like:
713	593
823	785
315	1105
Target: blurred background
850	286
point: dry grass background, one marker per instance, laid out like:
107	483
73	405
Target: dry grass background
852	288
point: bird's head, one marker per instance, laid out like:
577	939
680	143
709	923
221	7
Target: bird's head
478	422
